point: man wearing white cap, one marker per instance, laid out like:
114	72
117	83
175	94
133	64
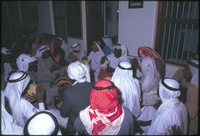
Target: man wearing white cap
128	86
18	107
120	54
42	123
189	79
76	98
171	111
78	51
94	58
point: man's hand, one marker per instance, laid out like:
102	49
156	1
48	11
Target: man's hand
174	130
84	58
103	59
39	96
109	70
54	67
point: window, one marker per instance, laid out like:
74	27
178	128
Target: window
177	30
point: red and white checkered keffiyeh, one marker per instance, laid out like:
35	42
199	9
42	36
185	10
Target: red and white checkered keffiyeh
105	115
146	51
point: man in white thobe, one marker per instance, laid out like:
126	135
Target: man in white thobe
149	81
171	111
94	59
120	54
21	109
128	86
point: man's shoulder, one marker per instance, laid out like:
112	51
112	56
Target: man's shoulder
80	86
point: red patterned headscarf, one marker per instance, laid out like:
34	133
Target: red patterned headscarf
105	115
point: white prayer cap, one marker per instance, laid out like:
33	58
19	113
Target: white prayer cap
41	50
41	123
79	72
23	62
125	65
123	70
168	89
5	51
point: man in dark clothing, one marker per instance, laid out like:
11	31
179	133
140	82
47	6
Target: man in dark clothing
77	97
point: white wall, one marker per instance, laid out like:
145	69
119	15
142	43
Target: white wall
137	26
45	17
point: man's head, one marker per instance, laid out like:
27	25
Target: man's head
43	52
24	63
117	50
168	89
193	66
95	47
19	81
76	47
57	43
41	123
79	72
104	96
187	74
33	66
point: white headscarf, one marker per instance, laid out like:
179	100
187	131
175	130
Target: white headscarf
129	87
150	75
5	51
122	47
98	45
194	64
171	109
77	46
40	51
79	72
23	62
41	123
17	82
168	89
108	41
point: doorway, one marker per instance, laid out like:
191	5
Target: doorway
95	21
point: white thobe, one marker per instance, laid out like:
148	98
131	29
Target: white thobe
94	58
130	93
8	125
169	113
